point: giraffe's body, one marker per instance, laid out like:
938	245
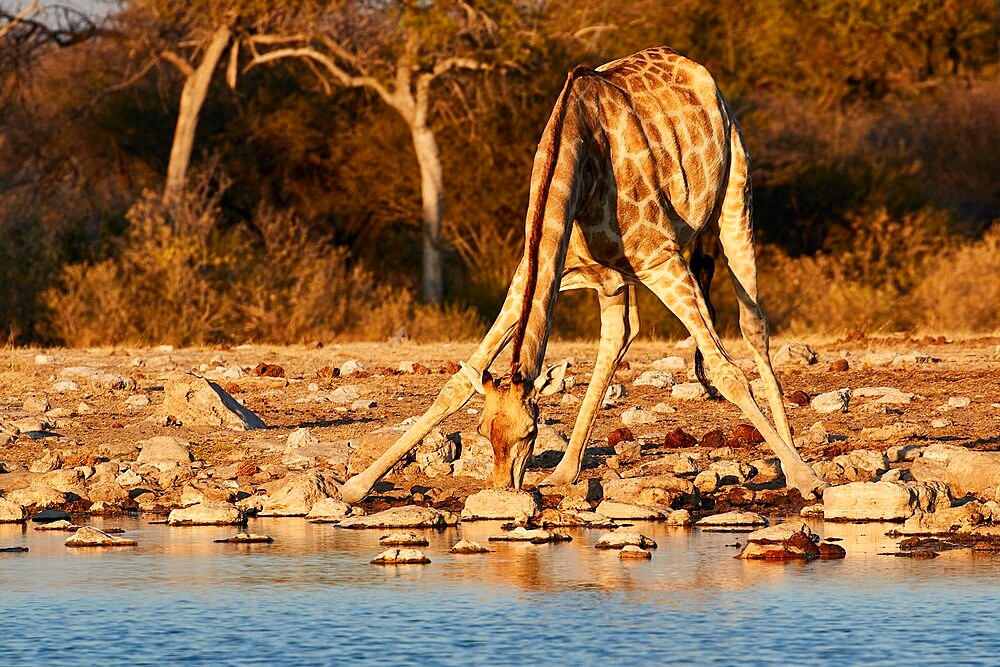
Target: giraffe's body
637	159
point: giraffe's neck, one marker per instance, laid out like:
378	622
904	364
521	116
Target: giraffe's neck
555	185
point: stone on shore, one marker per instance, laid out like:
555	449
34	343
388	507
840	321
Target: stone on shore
650	490
330	510
195	401
533	535
882	501
969	518
11	512
401	557
735	521
208	513
831	401
976	473
410	516
297	495
92	537
164	448
499	504
615	510
792	540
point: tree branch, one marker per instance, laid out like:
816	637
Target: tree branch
178	61
13	20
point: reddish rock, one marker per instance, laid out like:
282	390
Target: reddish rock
714	439
620	435
420	369
839	366
828	551
269	370
451	368
747	433
799	398
678	439
327	372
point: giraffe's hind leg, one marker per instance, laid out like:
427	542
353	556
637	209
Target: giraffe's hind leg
619	327
679	291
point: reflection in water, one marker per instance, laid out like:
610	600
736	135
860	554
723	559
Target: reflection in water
311	597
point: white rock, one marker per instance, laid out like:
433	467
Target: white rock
734	519
878	360
137	401
301	437
499	504
409	516
659	379
707	481
638	416
468	547
92	537
887	395
616	510
44	359
790	354
688	391
661	489
195	401
672	363
331	510
831	401
664	409
209	513
344	395
632	552
65	386
234	373
164	448
783	541
352	366
11	512
614	393
618	539
407	539
880	501
958	402
298	495
401	557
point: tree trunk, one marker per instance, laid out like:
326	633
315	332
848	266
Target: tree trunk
431	189
192	98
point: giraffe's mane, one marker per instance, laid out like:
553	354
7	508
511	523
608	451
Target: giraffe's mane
535	230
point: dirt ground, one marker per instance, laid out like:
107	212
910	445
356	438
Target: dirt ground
935	369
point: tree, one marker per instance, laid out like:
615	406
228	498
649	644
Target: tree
402	51
12	20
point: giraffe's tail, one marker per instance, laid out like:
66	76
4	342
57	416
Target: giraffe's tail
702	265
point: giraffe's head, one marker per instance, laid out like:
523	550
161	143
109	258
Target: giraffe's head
510	418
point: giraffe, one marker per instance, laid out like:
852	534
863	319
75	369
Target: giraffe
637	158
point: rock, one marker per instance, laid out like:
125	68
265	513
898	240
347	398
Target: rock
301	437
37	495
195	401
970	472
671	363
958	402
499	504
731	520
664	409
137	401
209	513
688	391
632	552
247	538
402	540
297	495
707	481
613	393
617	510
61	524
886	395
48	462
330	510
733	472
401	557
879	360
91	537
679	439
963	519
794	354
102	379
36	405
679	518
862	465
435	449
638	416
792	540
11	512
618	539
13	550
66	387
831	401
553	518
108	492
129	479
895	431
881	501
469	547
164	448
410	516
659	379
535	536
48	515
650	490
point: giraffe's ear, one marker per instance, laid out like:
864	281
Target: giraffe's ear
551	379
477	379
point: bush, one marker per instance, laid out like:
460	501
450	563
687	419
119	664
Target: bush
178	277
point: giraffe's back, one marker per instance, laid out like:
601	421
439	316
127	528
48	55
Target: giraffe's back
662	134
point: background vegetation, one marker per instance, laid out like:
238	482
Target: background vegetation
873	127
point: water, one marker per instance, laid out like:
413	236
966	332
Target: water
312	598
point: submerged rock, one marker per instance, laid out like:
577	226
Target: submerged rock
331	510
469	547
792	540
533	535
209	513
61	524
401	557
247	538
403	540
92	537
622	537
11	512
633	552
732	521
616	510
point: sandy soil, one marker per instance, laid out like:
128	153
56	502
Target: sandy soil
942	369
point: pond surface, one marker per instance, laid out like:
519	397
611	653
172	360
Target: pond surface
312	598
